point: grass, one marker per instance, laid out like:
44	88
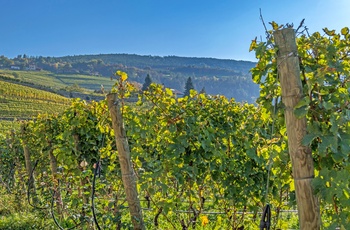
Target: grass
85	81
25	221
15	213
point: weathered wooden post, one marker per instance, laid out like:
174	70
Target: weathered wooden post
128	174
301	156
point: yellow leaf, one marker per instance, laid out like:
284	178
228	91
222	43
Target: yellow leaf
345	31
274	25
169	91
252	45
329	32
291	186
123	75
205	220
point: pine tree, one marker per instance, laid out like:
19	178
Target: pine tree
147	83
203	91
188	87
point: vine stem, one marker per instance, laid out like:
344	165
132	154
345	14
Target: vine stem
154	203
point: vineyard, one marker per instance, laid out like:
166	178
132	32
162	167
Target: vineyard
21	102
57	81
198	162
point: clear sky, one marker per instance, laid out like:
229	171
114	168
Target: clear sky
189	28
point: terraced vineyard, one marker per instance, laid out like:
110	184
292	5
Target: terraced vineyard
57	81
22	102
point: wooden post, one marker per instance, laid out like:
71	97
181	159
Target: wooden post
301	156
128	174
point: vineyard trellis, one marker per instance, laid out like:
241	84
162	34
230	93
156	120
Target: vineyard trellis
172	159
195	155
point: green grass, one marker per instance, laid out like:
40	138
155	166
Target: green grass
25	221
85	81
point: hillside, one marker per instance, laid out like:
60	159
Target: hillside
227	77
67	85
23	102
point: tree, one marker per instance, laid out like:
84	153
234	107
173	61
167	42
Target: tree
147	83
202	91
188	86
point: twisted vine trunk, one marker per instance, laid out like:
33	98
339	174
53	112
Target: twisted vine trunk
83	190
29	167
301	156
53	165
128	174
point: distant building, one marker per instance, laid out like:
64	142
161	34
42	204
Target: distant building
32	67
177	92
15	67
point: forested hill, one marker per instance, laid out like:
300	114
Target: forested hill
144	61
216	76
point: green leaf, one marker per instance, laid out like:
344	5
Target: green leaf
328	105
303	102
328	141
308	138
337	157
301	111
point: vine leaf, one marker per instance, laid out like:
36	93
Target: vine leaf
274	25
252	45
345	31
308	138
329	32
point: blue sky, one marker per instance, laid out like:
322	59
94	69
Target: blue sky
190	28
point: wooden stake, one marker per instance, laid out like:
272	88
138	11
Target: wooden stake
128	175
301	156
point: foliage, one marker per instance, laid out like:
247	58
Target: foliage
25	221
193	156
6	125
325	65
